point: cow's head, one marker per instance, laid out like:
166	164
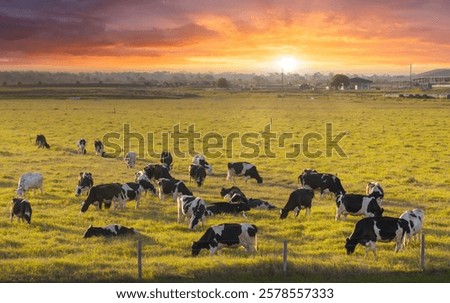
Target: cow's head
350	246
85	181
284	213
20	191
197	247
89	232
84	206
374	189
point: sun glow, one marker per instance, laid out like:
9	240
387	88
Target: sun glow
288	64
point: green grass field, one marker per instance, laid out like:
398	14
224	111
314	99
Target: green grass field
404	144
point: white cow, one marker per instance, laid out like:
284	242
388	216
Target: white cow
415	220
29	181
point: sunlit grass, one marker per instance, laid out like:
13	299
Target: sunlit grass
402	144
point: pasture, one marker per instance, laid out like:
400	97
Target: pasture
403	144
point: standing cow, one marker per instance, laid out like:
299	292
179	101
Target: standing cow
99	148
155	172
322	181
41	142
103	193
81	146
200	159
29	181
298	199
357	205
85	182
231	235
198	173
415	219
370	230
172	186
243	169
20	208
193	208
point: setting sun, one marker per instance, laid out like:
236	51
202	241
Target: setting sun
288	64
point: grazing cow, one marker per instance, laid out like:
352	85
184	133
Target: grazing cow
98	146
133	191
323	182
226	208
243	169
29	181
201	160
415	220
198	173
231	235
142	179
103	193
81	145
108	231
172	186
85	182
193	208
130	159
356	205
155	172
374	189
20	208
384	229
298	199
166	159
41	142
227	193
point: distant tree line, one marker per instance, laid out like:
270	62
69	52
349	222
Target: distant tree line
165	78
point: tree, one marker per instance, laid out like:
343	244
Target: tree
222	83
339	80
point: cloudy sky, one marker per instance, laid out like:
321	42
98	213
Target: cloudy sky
240	36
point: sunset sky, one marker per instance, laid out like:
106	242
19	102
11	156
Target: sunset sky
382	37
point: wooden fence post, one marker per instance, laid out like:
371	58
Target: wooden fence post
139	259
285	254
422	252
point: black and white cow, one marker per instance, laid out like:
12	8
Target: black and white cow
200	159
226	208
29	181
357	205
133	191
299	199
230	235
172	186
41	142
20	208
243	169
415	219
142	179
130	159
103	193
81	146
374	189
85	182
155	172
323	182
198	173
166	159
239	197
193	208
108	231
370	230
99	148
227	193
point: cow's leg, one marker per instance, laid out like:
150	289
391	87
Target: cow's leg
243	214
212	250
308	211
11	216
138	199
338	214
246	178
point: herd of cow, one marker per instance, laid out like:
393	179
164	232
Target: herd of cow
374	227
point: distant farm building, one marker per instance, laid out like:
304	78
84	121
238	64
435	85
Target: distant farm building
359	83
433	78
